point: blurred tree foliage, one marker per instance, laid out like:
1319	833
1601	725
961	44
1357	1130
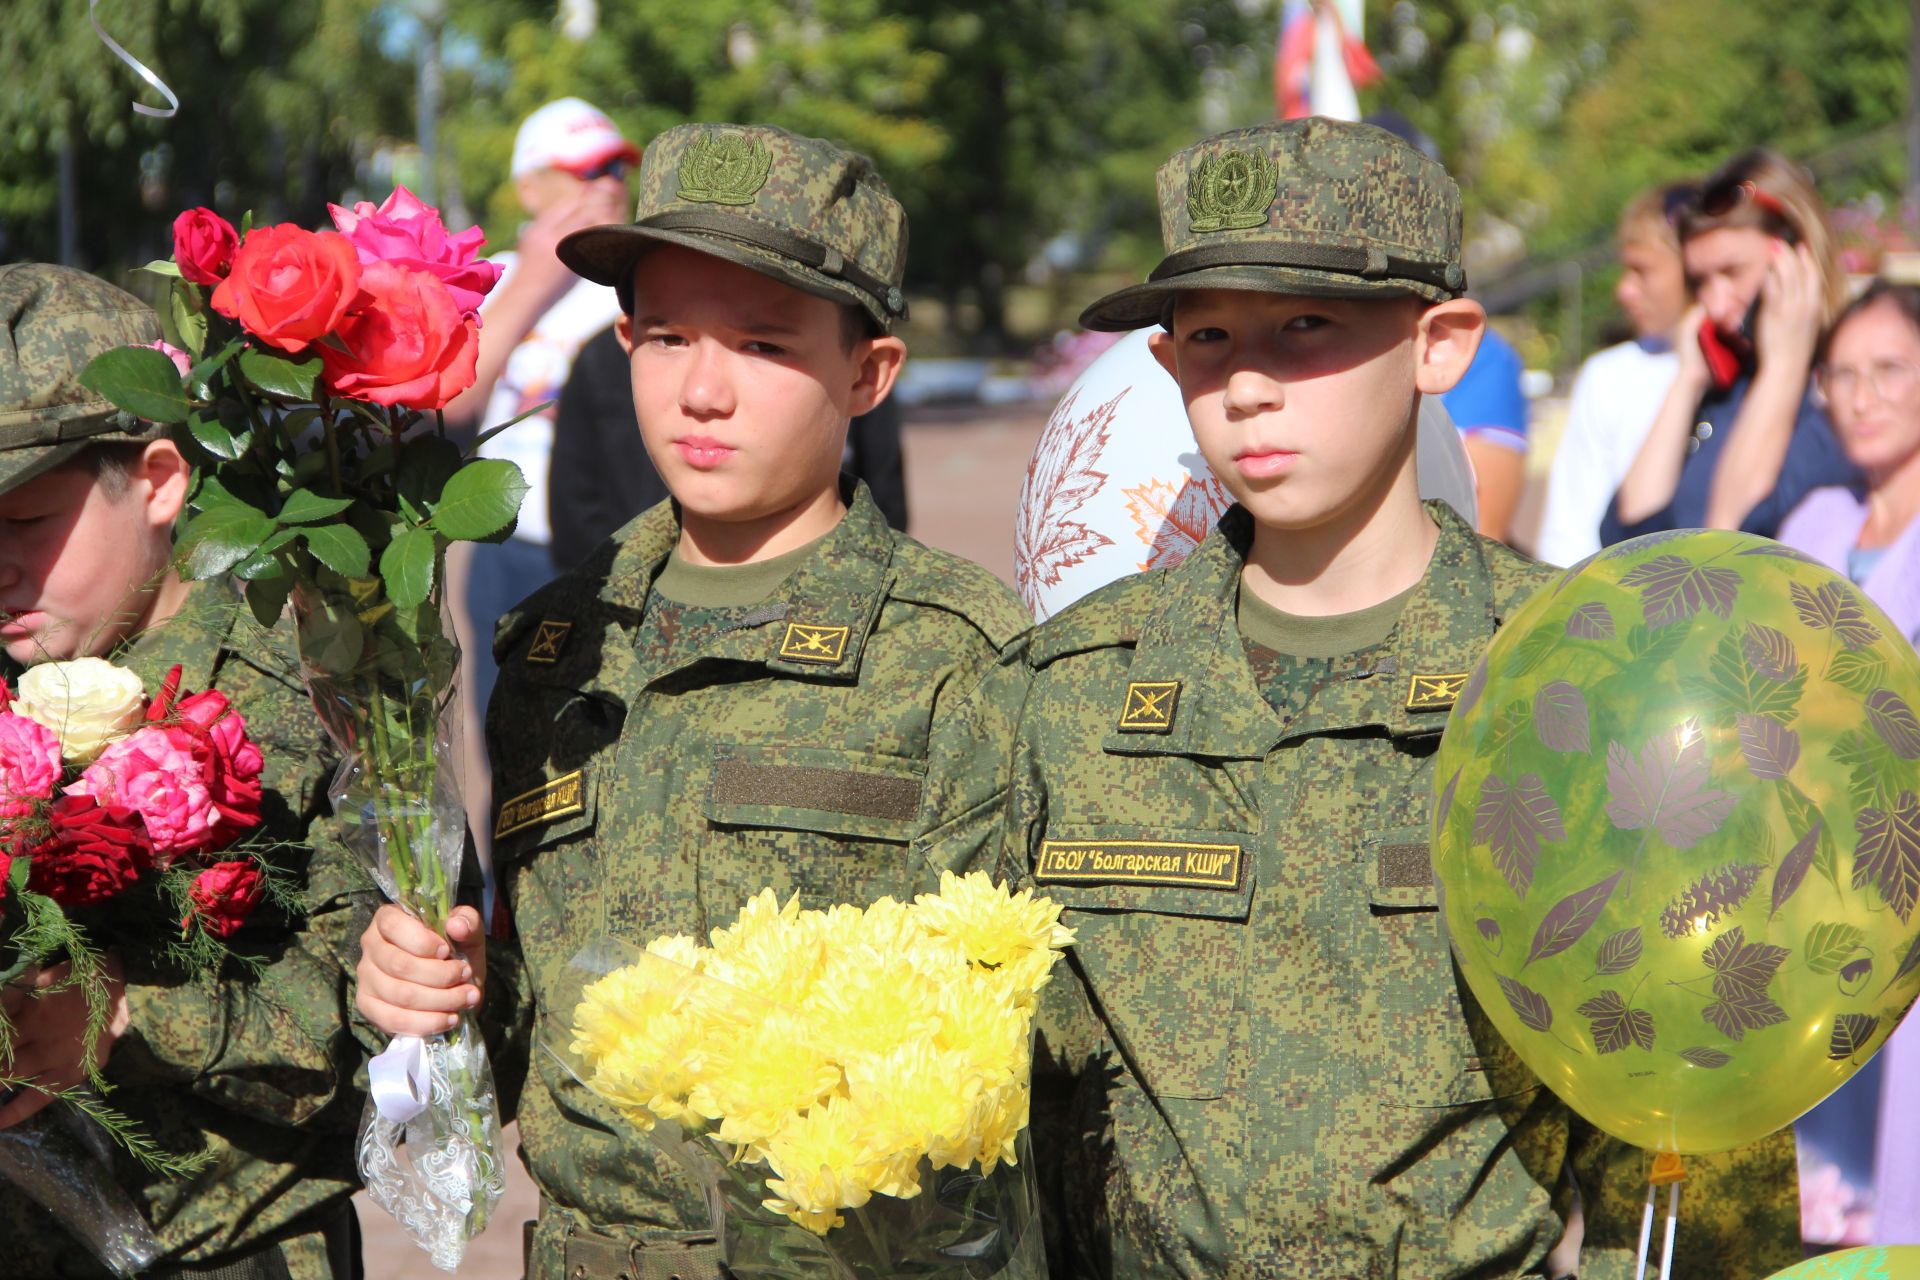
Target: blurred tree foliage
1012	129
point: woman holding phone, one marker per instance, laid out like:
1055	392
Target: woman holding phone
1741	437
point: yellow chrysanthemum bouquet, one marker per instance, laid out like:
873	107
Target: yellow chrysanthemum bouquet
866	1064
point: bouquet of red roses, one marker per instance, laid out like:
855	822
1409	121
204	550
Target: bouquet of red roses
118	815
317	363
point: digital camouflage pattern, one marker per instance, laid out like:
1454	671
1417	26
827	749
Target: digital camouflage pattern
1266	1064
799	209
1313	206
656	764
53	321
259	1071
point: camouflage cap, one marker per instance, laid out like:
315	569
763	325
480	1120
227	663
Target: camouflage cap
53	321
798	209
1315	206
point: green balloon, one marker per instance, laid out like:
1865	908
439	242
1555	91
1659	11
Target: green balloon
1677	836
1900	1262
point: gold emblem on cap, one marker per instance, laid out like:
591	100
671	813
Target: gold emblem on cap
1150	705
1435	692
1231	191
724	168
548	639
805	642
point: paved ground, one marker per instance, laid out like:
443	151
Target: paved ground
964	469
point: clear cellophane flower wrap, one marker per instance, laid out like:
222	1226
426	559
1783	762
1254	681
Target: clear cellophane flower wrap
430	1147
850	1086
62	1162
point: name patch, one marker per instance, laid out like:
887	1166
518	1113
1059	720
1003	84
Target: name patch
548	639
1150	706
1167	862
549	802
807	643
1435	692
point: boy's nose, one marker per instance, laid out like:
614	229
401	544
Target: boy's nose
1251	392
707	390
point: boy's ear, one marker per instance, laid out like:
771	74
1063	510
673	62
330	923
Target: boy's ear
1444	343
623	330
1161	343
167	475
877	362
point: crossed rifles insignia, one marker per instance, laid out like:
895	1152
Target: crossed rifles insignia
548	639
805	642
1150	705
1435	693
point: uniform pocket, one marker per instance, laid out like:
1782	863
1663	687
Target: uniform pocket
821	789
1431	1058
1161	924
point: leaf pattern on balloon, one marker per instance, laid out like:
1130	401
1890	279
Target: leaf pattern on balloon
1560	717
1528	1005
1512	819
1665	788
1172	522
1569	919
1851	1031
1619	953
1736	686
1888	854
1876	776
1782	551
1769	652
1770	747
1793	868
1741	972
1830	943
1650	648
1060	480
1476	685
1615	1026
1443	807
1701	1056
1895	722
1701	904
1530	652
1910	961
1832	606
1673	588
1490	934
1860	670
1591	621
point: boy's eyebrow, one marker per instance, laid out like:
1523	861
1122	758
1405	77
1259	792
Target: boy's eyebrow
773	327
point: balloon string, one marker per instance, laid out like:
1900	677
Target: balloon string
1646	1235
139	69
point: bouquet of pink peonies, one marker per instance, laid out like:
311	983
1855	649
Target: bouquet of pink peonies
316	367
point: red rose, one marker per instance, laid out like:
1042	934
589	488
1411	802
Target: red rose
92	852
406	342
231	761
223	896
290	286
203	246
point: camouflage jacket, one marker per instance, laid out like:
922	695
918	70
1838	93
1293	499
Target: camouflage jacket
258	1068
1265	1063
839	740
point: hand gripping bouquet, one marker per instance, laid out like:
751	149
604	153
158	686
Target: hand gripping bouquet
851	1086
316	367
119	815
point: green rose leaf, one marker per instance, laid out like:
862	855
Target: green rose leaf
189	323
163	267
480	500
407	567
263	563
141	381
305	507
267	597
213	436
221	537
339	547
278	375
210	365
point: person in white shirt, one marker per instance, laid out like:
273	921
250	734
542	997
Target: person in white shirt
1619	390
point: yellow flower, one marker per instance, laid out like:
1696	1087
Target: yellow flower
756	1084
996	927
1000	1118
770	951
917	1100
867	1002
980	1021
818	1160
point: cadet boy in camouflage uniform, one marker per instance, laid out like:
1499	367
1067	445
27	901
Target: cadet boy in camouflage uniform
756	683
1268	1066
255	1071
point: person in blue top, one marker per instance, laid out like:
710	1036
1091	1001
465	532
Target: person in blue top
1490	409
1741	438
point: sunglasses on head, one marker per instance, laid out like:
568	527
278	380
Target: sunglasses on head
612	167
1727	197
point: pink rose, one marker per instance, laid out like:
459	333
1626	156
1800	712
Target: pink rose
181	360
224	895
156	773
203	246
229	758
407	232
29	764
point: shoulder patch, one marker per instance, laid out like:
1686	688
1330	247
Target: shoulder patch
942	580
1109	618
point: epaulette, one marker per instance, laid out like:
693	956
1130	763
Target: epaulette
1108	618
944	581
1515	577
567	596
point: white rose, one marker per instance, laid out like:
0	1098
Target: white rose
88	703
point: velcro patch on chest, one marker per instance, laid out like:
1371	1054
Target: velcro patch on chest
1179	863
1405	866
1435	692
550	801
